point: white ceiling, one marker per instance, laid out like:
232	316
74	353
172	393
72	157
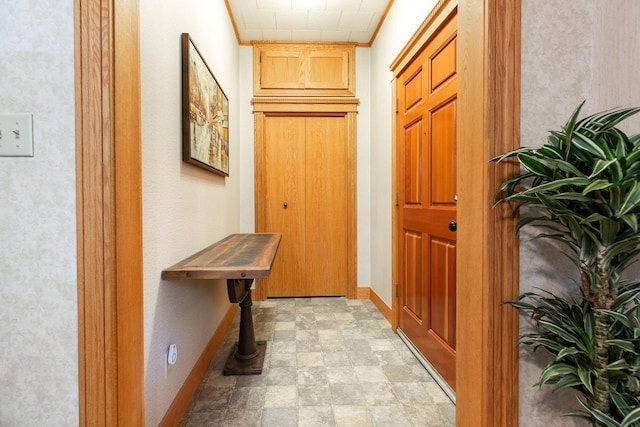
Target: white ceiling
308	20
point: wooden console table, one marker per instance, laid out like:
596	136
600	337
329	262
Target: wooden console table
239	258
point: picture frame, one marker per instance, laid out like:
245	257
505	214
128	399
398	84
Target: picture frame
205	113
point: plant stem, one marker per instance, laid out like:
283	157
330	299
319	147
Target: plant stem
601	386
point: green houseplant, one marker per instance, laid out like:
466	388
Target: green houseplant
582	189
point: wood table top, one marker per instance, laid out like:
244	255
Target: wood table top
238	256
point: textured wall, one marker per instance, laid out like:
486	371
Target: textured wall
571	51
557	47
38	287
185	208
616	58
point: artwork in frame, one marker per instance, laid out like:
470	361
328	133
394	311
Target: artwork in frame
205	113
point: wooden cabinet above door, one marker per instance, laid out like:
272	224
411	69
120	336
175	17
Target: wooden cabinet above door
303	69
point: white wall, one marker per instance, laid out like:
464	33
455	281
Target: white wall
363	162
38	283
185	208
402	21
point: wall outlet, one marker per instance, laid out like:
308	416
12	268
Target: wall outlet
172	354
16	135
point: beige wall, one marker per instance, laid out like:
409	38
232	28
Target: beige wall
403	20
571	51
38	284
185	208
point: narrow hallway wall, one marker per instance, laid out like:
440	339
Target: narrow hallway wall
185	208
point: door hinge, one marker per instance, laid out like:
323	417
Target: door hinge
397	201
397	290
397	106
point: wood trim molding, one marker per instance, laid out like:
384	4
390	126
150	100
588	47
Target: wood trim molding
363	292
395	273
233	21
352	226
109	212
380	22
386	311
181	402
305	105
489	108
438	15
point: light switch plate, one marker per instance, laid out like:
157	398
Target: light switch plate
16	135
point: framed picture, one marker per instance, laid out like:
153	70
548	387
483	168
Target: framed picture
205	113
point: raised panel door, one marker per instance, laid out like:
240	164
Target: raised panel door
426	126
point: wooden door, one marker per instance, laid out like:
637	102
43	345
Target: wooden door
426	126
305	173
326	206
284	158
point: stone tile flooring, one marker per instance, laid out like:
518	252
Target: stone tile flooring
329	362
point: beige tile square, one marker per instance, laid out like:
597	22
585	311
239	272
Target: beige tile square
310	359
285	326
281	396
342	375
329	334
370	374
352	416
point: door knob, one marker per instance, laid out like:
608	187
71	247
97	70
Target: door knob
285	205
453	226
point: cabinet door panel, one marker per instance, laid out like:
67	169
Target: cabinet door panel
304	69
328	69
281	69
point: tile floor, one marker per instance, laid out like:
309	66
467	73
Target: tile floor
329	362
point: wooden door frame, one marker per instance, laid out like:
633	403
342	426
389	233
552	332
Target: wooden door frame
309	106
109	217
109	213
487	250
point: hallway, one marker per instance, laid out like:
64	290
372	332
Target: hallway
329	362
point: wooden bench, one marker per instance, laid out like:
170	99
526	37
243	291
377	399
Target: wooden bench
238	258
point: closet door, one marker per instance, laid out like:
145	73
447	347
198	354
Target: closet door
306	198
326	206
284	201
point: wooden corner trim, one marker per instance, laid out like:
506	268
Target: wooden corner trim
386	311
